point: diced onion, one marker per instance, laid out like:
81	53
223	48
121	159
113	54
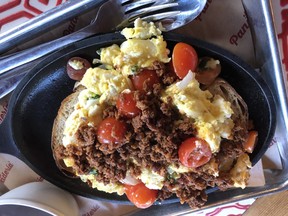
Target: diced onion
186	80
129	179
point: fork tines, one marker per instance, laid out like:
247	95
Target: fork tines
146	8
134	5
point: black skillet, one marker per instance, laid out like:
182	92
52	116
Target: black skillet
26	130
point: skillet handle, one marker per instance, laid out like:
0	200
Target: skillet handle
7	144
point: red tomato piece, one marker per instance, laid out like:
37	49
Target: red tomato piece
76	67
184	58
140	195
126	104
250	144
145	80
111	131
194	152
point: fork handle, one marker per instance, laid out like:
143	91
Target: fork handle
34	53
29	55
44	21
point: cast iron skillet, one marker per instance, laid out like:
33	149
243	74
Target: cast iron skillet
26	130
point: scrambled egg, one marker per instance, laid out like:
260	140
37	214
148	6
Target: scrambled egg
88	109
139	50
108	84
152	179
212	63
108	188
141	30
240	171
212	115
75	64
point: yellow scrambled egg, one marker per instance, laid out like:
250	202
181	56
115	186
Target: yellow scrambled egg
212	114
108	188
107	83
88	109
240	172
152	179
139	50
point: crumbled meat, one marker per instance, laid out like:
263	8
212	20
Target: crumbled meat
85	135
110	168
230	149
240	134
110	111
165	72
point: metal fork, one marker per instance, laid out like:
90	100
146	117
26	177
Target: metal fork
112	15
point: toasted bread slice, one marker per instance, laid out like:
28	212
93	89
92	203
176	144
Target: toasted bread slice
238	105
66	108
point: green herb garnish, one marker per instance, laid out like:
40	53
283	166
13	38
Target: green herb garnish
134	69
172	176
96	96
93	172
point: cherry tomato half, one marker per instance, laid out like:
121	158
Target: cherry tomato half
184	58
206	73
251	141
140	195
76	67
145	80
111	131
126	104
194	152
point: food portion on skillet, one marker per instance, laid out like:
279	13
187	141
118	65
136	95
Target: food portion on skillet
152	124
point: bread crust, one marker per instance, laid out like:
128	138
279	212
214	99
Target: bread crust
65	110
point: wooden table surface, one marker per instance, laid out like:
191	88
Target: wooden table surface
270	205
